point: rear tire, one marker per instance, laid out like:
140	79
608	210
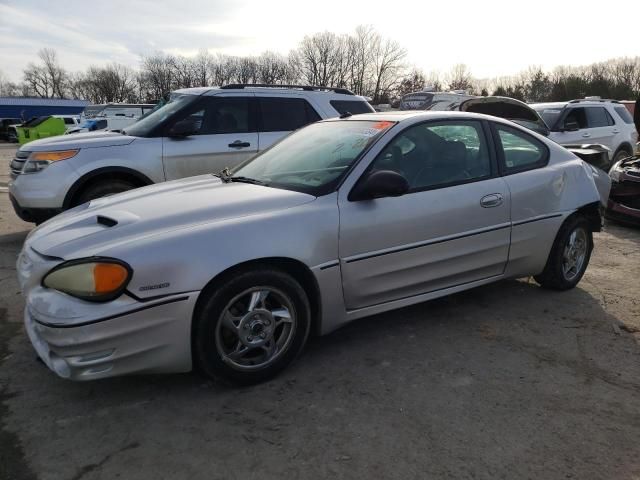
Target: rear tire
103	188
569	256
251	326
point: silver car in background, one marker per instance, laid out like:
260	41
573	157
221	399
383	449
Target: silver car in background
343	219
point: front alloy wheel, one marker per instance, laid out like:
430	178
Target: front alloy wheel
255	328
250	324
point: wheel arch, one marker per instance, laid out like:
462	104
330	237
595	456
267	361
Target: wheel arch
297	269
592	212
624	146
122	173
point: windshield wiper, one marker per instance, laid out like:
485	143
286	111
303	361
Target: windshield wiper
223	175
253	181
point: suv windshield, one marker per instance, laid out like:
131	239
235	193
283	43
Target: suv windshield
313	160
549	115
145	126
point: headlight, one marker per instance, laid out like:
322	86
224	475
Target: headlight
91	279
40	160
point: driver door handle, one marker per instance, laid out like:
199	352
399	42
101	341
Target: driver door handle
586	135
491	200
239	144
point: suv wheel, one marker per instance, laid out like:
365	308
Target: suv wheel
103	188
619	155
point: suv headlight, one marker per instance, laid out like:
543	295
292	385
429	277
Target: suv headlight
40	160
92	279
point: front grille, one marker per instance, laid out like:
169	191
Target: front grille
18	162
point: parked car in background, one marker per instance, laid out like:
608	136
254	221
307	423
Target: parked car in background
70	121
522	114
201	130
5	123
343	219
430	100
111	116
90	125
591	120
624	199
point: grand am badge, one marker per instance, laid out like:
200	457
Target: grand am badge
154	287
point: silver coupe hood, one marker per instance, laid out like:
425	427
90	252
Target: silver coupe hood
93	228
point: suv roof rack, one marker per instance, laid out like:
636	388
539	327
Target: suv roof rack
602	100
308	88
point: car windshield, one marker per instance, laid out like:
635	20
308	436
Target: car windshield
146	125
549	115
313	160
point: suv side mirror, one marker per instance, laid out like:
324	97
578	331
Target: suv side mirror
571	126
380	184
183	128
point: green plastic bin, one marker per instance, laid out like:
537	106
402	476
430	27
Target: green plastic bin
40	127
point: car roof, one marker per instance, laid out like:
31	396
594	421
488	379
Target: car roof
415	116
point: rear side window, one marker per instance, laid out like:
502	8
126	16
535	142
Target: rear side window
353	107
624	114
520	151
285	114
599	117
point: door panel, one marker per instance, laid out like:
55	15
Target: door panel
224	136
601	126
393	248
428	239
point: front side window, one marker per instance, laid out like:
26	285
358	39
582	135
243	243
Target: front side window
279	114
151	124
598	117
577	116
433	155
314	159
217	115
520	151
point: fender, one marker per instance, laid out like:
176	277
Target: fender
87	177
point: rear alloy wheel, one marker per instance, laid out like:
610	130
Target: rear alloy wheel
251	327
569	255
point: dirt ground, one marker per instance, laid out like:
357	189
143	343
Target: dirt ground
507	381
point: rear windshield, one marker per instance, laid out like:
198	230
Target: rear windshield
624	114
353	107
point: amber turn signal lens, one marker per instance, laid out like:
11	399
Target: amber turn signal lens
53	156
108	277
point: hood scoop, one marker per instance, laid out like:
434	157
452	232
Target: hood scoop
106	221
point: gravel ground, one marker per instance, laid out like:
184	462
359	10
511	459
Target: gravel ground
504	381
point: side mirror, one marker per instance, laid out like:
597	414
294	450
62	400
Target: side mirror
571	126
380	184
183	128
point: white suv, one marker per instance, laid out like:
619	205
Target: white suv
591	120
200	130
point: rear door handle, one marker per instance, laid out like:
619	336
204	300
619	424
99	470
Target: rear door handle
491	200
615	130
239	144
586	135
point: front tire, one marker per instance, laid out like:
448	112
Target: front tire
250	327
103	188
569	256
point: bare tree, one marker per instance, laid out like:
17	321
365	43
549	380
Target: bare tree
459	78
387	58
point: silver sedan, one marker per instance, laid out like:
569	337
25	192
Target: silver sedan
340	220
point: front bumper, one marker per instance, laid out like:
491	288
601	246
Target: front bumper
154	337
33	215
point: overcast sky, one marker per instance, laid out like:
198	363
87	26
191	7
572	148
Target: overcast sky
493	37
